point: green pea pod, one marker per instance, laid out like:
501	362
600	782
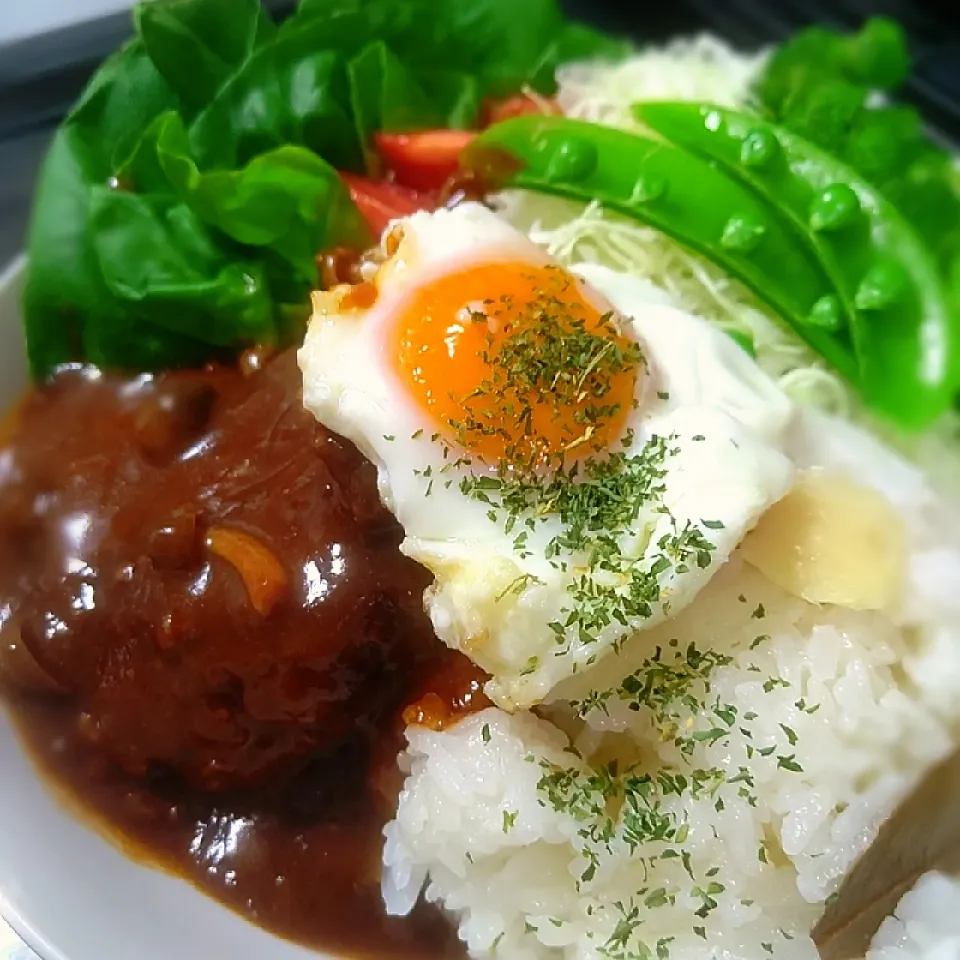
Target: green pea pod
677	192
888	287
750	150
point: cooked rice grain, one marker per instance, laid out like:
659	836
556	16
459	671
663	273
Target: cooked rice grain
925	924
796	730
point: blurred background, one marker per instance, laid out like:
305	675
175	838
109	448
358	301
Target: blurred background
49	48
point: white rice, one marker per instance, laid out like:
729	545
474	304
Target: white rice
795	741
855	706
925	924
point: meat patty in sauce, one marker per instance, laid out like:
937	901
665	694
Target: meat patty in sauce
206	571
207	630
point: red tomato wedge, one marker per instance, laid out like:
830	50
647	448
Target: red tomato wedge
380	201
496	111
423	161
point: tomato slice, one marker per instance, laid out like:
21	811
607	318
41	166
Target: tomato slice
423	161
496	111
380	201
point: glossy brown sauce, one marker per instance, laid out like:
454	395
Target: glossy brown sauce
210	641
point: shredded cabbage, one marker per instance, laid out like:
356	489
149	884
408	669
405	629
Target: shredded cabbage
698	68
702	67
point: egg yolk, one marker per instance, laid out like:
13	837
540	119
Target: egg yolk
514	365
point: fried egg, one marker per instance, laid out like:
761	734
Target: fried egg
572	459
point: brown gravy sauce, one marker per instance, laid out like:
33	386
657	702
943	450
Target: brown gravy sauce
210	701
303	864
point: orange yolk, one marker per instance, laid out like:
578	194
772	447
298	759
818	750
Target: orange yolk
513	364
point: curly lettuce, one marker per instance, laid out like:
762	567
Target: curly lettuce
185	197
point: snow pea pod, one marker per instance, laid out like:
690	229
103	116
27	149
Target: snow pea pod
677	192
888	285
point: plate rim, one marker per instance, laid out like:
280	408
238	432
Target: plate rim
29	935
12	270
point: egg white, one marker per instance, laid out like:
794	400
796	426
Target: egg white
725	418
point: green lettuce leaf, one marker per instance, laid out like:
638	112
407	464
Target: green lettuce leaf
574	42
196	47
389	95
160	261
288	199
385	94
455	96
289	91
185	198
65	293
503	44
482	37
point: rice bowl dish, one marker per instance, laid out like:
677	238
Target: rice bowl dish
583	571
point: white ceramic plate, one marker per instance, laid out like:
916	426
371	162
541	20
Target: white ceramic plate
64	889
